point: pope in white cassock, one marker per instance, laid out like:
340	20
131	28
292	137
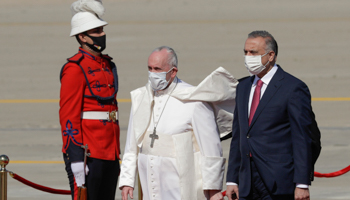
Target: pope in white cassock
174	131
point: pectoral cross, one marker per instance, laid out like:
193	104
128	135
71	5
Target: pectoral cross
153	136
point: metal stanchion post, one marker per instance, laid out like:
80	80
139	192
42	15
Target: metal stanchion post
4	160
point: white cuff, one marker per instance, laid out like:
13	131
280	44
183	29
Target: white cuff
231	183
302	186
213	169
128	170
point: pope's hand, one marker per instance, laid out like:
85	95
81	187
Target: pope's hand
215	195
127	190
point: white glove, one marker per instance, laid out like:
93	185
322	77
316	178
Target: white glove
78	172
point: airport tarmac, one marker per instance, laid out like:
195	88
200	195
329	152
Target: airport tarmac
313	39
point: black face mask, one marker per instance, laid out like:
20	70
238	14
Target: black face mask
99	43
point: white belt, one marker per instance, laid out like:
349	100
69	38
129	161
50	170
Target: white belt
101	115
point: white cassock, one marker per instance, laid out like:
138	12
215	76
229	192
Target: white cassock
186	158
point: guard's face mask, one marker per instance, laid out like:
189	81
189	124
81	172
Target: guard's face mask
99	43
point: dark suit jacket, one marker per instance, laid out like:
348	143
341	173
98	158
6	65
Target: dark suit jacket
278	138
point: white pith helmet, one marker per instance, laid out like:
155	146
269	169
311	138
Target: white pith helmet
86	16
84	21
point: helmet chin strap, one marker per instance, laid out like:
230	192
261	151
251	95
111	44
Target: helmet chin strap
95	52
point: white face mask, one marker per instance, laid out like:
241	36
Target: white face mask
254	65
158	80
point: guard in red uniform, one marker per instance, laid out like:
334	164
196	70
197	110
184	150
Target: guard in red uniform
88	107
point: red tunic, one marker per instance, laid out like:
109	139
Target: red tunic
82	77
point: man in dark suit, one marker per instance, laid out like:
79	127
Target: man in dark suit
270	154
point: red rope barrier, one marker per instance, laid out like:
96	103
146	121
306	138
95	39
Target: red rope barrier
223	193
320	175
68	192
333	174
39	187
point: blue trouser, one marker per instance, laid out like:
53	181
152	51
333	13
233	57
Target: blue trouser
258	189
